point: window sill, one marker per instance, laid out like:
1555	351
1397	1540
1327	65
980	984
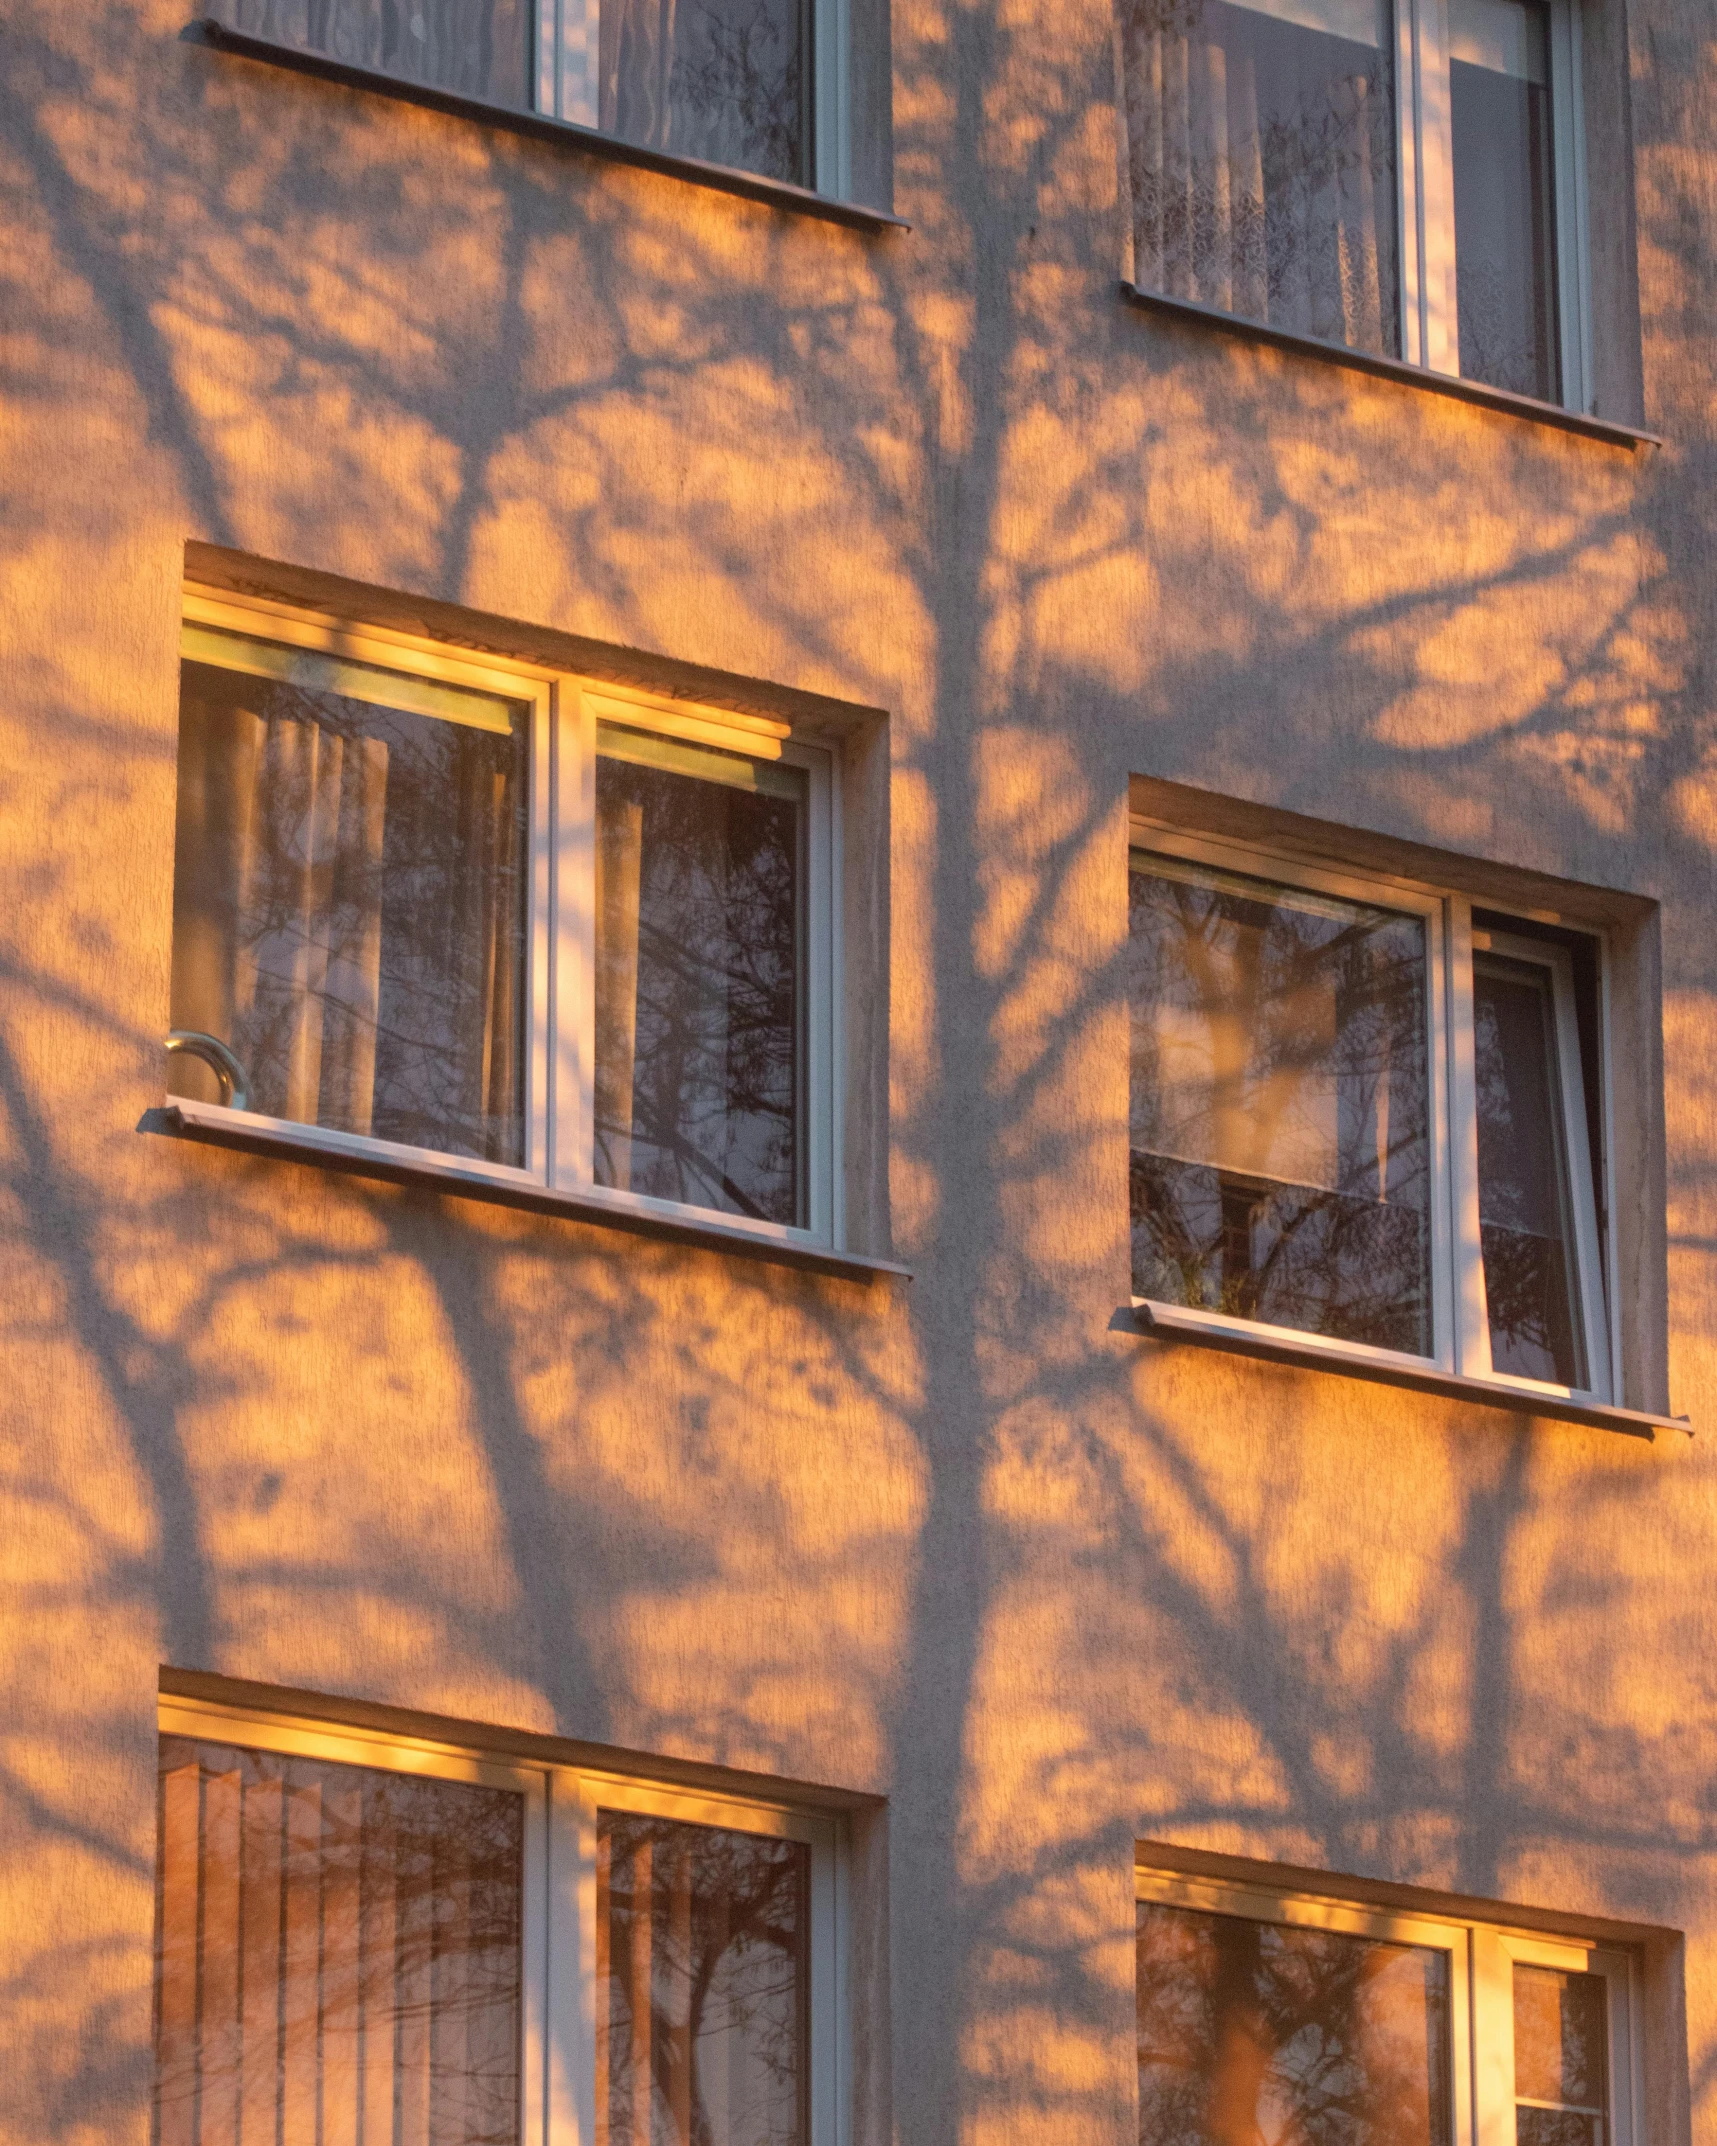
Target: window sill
215	1125
1162	1322
541	126
1419	376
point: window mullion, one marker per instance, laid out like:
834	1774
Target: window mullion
1471	1312
572	1024
1493	2040
540	941
569	2091
1410	188
1573	261
1441	345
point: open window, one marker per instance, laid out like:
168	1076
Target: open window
565	933
1280	2015
1367	1116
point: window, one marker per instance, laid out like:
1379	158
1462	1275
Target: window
1404	180
366	1938
569	934
1368	1115
753	84
1280	2016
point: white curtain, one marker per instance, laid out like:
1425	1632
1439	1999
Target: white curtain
1261	153
346	915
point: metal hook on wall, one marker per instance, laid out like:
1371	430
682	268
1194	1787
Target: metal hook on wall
235	1082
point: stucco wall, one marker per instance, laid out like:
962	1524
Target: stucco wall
1047	1587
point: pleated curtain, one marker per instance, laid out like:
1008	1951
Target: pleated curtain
337	1955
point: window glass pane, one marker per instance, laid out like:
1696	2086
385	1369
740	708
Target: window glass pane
718	79
1561	2057
1505	230
1281	1149
337	1954
701	1972
480	48
349	896
1254	2031
1262	146
1524	1207
699	919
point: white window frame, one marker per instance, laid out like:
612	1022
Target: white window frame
1430	326
1460	1321
559	1056
558	1923
568	45
1481	1959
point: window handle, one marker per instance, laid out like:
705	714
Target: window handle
234	1080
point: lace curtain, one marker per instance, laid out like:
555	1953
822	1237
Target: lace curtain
717	79
1261	146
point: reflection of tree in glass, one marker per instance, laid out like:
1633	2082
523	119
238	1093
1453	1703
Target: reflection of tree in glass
335	1939
703	1965
349	909
1263	2034
1281	1154
1523	1223
697	990
738	72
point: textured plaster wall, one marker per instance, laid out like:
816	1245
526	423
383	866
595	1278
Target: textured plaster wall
1047	1589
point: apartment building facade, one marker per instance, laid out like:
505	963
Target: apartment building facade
860	1162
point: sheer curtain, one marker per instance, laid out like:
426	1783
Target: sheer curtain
1261	146
719	79
337	1954
348	911
481	48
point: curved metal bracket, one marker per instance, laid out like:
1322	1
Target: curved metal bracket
234	1080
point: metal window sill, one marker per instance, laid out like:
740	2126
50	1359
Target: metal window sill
1418	376
215	1125
542	126
1163	1322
